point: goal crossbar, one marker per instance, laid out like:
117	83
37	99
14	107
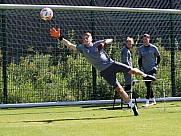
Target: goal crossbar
89	8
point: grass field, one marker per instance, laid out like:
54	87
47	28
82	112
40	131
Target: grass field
91	120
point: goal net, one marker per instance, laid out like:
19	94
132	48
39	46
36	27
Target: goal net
36	68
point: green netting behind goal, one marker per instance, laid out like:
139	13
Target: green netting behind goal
40	69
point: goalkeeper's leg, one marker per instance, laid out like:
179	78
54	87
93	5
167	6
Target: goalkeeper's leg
127	99
139	72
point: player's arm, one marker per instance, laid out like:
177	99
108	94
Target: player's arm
69	44
56	33
157	63
124	58
140	63
103	44
139	59
108	41
158	60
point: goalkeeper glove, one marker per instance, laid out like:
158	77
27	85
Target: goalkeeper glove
101	45
56	33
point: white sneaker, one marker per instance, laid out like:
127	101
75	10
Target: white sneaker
153	101
147	103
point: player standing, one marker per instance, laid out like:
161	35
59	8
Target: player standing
149	59
127	59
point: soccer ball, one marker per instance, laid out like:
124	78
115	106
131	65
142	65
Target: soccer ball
46	14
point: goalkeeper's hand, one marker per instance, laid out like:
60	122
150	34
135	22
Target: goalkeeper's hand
55	33
101	46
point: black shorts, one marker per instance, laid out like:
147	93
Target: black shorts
109	74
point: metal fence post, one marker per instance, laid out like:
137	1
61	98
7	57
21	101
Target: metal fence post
4	53
172	38
94	73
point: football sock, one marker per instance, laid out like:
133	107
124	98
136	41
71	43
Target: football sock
153	99
147	101
131	104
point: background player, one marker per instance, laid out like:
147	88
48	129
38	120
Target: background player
149	59
127	59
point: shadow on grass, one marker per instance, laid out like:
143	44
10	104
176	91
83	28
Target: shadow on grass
43	112
106	107
76	119
115	108
60	111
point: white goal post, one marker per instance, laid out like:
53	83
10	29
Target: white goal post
85	8
90	8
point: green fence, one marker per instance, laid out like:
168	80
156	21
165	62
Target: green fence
37	68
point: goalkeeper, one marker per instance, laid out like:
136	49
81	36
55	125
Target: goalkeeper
108	68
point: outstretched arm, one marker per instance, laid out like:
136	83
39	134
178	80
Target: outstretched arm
108	41
56	33
102	45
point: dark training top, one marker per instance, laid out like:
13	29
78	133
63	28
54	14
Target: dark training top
99	59
126	59
148	55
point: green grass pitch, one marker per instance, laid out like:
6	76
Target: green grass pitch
92	120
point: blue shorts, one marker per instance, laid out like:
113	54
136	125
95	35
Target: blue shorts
109	74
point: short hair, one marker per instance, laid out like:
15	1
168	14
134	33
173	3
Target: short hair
146	35
87	34
130	39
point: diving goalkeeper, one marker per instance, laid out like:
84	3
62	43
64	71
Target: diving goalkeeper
95	54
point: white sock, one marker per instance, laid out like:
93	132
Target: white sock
147	101
153	99
131	104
